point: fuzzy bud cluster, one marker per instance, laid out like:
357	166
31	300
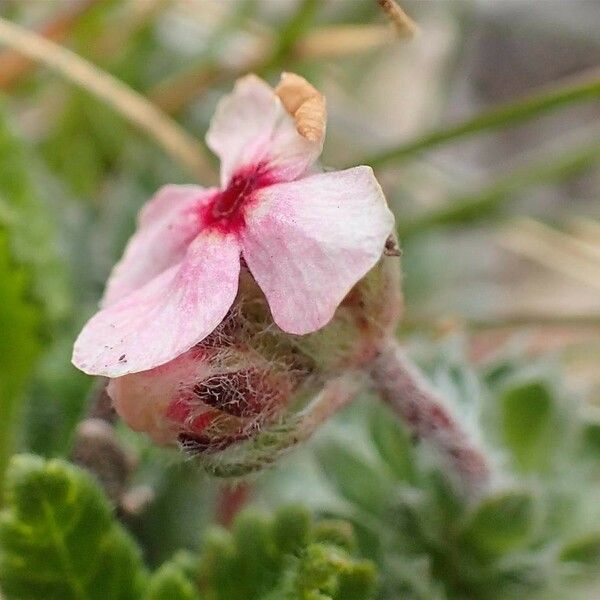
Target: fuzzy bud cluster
248	374
233	307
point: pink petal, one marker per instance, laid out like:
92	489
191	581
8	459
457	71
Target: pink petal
167	224
250	126
309	241
167	316
143	399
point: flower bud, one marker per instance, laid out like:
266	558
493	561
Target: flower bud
249	374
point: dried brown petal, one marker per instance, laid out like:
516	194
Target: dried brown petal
305	103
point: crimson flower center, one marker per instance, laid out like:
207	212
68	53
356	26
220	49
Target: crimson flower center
226	210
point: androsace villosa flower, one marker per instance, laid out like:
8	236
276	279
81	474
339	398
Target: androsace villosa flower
214	319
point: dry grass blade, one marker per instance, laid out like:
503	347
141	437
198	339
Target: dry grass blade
588	231
404	25
137	109
338	41
13	65
553	249
328	42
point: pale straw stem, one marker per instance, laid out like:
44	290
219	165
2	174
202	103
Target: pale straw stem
404	25
132	105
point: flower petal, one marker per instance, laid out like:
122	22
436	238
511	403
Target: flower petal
143	399
167	224
251	126
309	241
167	316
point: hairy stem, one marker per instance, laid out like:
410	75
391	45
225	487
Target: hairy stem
404	388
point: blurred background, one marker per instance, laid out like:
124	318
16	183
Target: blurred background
484	130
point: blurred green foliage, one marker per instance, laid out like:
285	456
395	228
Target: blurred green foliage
19	347
532	535
60	540
33	289
283	558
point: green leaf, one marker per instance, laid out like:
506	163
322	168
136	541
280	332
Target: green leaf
325	572
393	443
590	438
29	222
257	555
527	420
59	540
357	582
282	558
335	532
495	118
218	563
499	524
19	347
538	168
32	287
292	529
171	582
584	550
354	477
86	140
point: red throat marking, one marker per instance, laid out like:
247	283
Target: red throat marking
225	212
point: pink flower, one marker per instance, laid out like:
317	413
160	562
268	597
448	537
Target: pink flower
306	237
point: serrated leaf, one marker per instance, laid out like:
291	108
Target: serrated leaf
499	524
291	529
257	557
282	558
335	532
356	583
171	582
59	540
527	420
326	572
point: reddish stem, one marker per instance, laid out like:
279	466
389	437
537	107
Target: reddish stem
404	388
232	498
